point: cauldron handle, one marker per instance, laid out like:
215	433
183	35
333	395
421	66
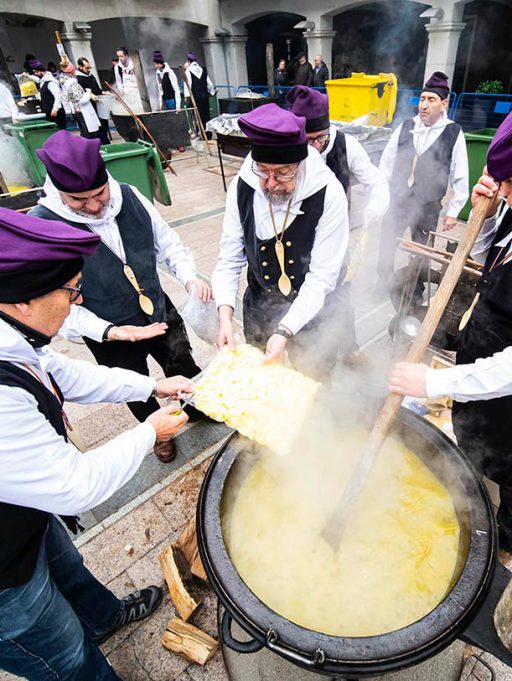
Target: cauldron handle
252	646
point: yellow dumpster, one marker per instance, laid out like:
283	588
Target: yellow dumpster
361	95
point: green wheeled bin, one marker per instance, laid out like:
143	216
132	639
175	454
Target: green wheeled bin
31	135
477	142
138	164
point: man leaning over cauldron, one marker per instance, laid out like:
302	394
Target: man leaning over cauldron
53	612
286	218
123	300
347	159
481	383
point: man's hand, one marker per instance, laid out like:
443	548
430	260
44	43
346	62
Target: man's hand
449	223
172	387
276	345
54	113
226	335
200	288
486	186
132	333
408	379
167	423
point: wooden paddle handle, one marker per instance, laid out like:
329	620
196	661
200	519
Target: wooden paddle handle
434	313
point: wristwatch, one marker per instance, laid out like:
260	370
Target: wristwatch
283	332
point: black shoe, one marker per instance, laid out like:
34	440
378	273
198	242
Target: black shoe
137	606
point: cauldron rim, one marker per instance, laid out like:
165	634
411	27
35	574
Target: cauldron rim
359	656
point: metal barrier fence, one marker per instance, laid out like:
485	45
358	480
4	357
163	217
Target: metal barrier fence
407	104
475	110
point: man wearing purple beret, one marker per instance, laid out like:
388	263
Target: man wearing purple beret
51	94
201	86
121	288
286	219
481	383
424	156
53	612
167	83
347	159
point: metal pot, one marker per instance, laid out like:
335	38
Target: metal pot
344	656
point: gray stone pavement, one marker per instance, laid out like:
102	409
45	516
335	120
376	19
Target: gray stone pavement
152	509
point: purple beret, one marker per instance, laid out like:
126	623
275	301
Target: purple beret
276	135
158	57
311	104
36	65
73	163
38	256
438	83
499	154
191	56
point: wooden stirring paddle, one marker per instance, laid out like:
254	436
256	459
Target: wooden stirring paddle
335	527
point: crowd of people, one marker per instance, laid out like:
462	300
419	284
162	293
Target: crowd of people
83	263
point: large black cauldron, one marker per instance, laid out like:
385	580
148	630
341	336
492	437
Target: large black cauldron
369	656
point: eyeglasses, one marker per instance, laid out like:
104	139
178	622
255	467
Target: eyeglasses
321	140
278	177
75	291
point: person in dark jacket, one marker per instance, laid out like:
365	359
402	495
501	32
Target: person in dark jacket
280	74
303	73
320	72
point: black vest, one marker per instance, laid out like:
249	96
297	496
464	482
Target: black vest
432	172
88	82
106	290
337	160
495	285
22	529
167	88
264	271
47	99
199	85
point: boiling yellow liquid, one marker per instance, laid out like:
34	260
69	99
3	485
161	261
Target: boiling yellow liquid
398	557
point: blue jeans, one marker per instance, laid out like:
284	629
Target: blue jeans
47	625
170	103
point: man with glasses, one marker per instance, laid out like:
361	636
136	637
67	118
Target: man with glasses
286	219
53	612
125	315
347	159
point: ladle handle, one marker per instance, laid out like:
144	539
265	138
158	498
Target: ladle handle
252	646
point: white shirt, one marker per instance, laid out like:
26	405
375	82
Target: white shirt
329	248
54	88
8	108
198	72
38	468
488	377
362	170
423	138
169	250
174	82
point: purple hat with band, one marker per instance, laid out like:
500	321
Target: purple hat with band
158	57
499	154
38	256
36	65
311	104
438	84
73	163
191	56
276	135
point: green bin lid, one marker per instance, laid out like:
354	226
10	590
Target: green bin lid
122	150
483	135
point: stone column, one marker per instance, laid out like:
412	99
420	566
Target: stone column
320	42
78	44
226	61
443	42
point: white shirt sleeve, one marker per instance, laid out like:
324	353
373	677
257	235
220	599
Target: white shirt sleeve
232	257
8	101
186	92
54	88
40	470
169	247
371	177
459	177
210	86
388	158
485	379
87	383
82	322
327	256
484	239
